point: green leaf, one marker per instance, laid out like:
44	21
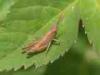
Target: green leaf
5	5
30	71
90	17
29	20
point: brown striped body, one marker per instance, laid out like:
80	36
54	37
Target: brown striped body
43	43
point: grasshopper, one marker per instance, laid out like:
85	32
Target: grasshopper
44	43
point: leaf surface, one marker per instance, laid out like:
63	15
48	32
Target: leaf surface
29	20
90	11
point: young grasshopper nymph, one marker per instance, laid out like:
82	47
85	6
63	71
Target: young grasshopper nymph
44	43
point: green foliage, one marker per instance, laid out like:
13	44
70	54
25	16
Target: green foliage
90	17
22	21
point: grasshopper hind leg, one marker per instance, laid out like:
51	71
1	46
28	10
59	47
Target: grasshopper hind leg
27	48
